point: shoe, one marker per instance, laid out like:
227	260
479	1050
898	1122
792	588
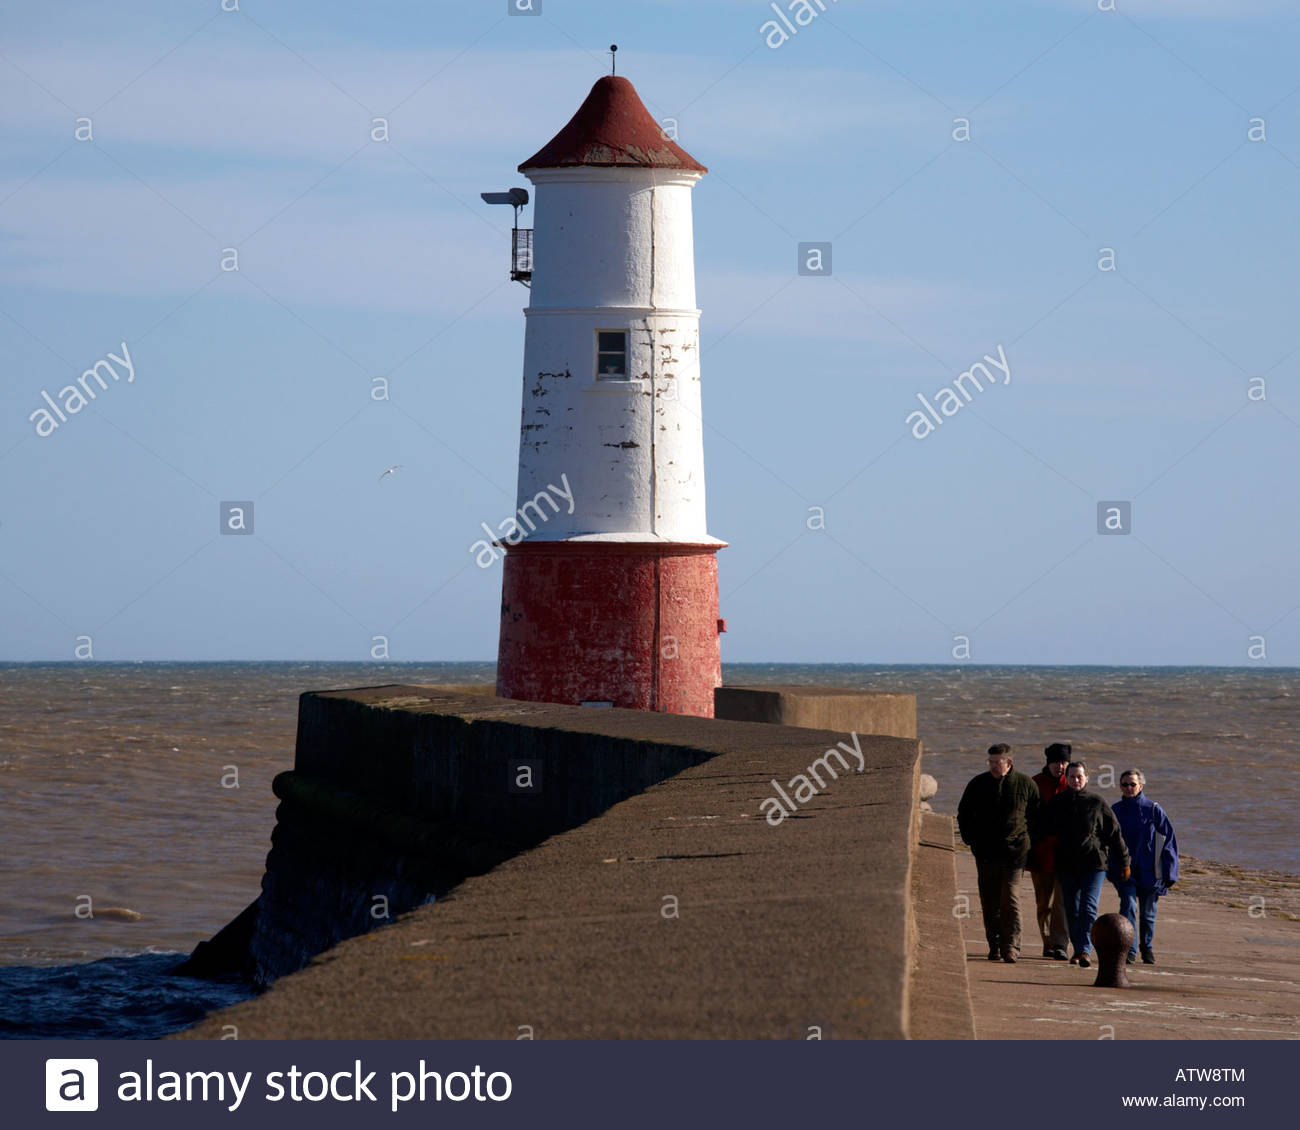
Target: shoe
1130	958
994	955
1059	955
1074	960
1148	958
1048	952
1084	963
1009	958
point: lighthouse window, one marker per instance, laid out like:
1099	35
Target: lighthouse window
611	354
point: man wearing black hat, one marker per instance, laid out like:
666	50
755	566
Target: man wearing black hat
1042	859
994	816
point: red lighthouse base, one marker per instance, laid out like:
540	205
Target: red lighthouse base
633	624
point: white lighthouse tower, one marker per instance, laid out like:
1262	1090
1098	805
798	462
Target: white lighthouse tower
616	601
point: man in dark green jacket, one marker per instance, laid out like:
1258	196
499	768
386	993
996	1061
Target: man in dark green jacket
994	818
1089	841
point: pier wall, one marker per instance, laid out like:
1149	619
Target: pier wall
819	708
399	793
633	883
644	891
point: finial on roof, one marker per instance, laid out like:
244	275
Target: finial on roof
613	68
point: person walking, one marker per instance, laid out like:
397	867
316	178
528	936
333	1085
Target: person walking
1048	899
994	817
1088	836
1153	852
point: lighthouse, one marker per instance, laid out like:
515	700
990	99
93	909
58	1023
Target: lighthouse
610	591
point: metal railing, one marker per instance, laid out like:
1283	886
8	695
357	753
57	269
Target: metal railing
521	255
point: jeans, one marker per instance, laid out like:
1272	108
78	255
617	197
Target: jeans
1139	907
1081	894
1000	905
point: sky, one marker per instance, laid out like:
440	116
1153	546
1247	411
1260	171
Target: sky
1103	198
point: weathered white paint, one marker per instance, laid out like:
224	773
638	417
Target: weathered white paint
613	250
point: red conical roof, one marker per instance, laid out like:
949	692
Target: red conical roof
612	128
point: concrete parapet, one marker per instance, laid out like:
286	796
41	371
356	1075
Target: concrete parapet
400	792
657	901
939	1004
822	708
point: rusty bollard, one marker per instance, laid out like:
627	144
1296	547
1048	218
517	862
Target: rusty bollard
1112	935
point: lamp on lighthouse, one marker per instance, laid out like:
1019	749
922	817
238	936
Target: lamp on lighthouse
521	239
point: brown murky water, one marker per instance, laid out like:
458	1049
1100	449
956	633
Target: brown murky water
147	786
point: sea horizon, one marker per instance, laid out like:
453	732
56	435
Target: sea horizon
355	663
1181	724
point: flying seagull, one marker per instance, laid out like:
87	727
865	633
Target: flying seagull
391	470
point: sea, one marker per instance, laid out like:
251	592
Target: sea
136	807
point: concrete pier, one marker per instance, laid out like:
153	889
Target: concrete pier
820	708
639	892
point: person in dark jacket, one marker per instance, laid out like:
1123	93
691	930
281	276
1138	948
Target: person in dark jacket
1153	853
1088	837
1049	900
994	817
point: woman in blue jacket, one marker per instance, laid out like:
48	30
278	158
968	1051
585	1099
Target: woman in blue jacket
1153	853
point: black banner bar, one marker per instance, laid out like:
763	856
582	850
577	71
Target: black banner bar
628	1086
